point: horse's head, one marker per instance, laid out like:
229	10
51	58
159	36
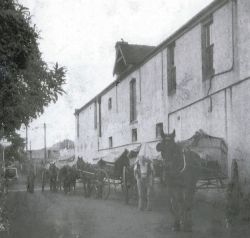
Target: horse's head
167	143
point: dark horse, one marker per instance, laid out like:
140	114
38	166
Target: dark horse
67	177
86	178
182	170
53	177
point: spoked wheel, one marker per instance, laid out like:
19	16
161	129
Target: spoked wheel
101	185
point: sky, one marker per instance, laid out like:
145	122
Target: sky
81	35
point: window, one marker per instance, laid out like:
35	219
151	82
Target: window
110	104
100	116
134	135
77	126
171	68
158	129
133	100
207	50
110	142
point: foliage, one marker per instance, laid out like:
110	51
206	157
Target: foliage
65	144
27	84
16	150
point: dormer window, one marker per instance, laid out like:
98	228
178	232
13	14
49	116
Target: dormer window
128	55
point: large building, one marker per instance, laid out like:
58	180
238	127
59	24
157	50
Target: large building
198	78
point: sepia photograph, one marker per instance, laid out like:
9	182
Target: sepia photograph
124	118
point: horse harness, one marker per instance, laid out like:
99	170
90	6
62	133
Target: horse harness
143	175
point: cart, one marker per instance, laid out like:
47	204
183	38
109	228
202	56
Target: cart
96	181
213	152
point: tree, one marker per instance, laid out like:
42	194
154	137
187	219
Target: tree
27	84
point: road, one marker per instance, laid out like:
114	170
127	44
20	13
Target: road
57	215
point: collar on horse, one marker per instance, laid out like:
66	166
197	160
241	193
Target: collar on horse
149	169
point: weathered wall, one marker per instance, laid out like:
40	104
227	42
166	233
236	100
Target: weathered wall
87	142
224	114
188	59
150	108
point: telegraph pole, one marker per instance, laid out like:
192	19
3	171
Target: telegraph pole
45	147
26	139
30	152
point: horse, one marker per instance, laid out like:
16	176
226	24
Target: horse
144	174
31	180
45	177
85	177
66	178
182	168
53	177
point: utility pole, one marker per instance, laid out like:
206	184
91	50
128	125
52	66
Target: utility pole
30	152
45	147
26	139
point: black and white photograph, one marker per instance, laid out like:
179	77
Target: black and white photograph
124	118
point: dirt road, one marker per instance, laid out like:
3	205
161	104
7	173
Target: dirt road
55	215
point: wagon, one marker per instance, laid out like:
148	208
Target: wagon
96	181
119	167
213	152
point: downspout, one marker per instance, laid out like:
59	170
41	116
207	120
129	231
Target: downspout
234	5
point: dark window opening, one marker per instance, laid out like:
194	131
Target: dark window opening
110	142
134	135
171	68
100	117
133	100
158	129
110	104
207	50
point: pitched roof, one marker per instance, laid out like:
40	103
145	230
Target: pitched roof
134	54
129	55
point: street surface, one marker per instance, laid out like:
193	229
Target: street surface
56	215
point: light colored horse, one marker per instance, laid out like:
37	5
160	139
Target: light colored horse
144	174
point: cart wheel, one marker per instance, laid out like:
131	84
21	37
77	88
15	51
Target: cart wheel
101	187
125	186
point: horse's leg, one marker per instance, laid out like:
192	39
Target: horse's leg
175	206
140	193
149	194
50	185
187	209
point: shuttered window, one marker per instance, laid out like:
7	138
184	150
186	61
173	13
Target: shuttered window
207	49
171	68
133	114
77	126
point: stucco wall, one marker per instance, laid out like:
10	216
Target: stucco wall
188	60
244	37
225	114
86	143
